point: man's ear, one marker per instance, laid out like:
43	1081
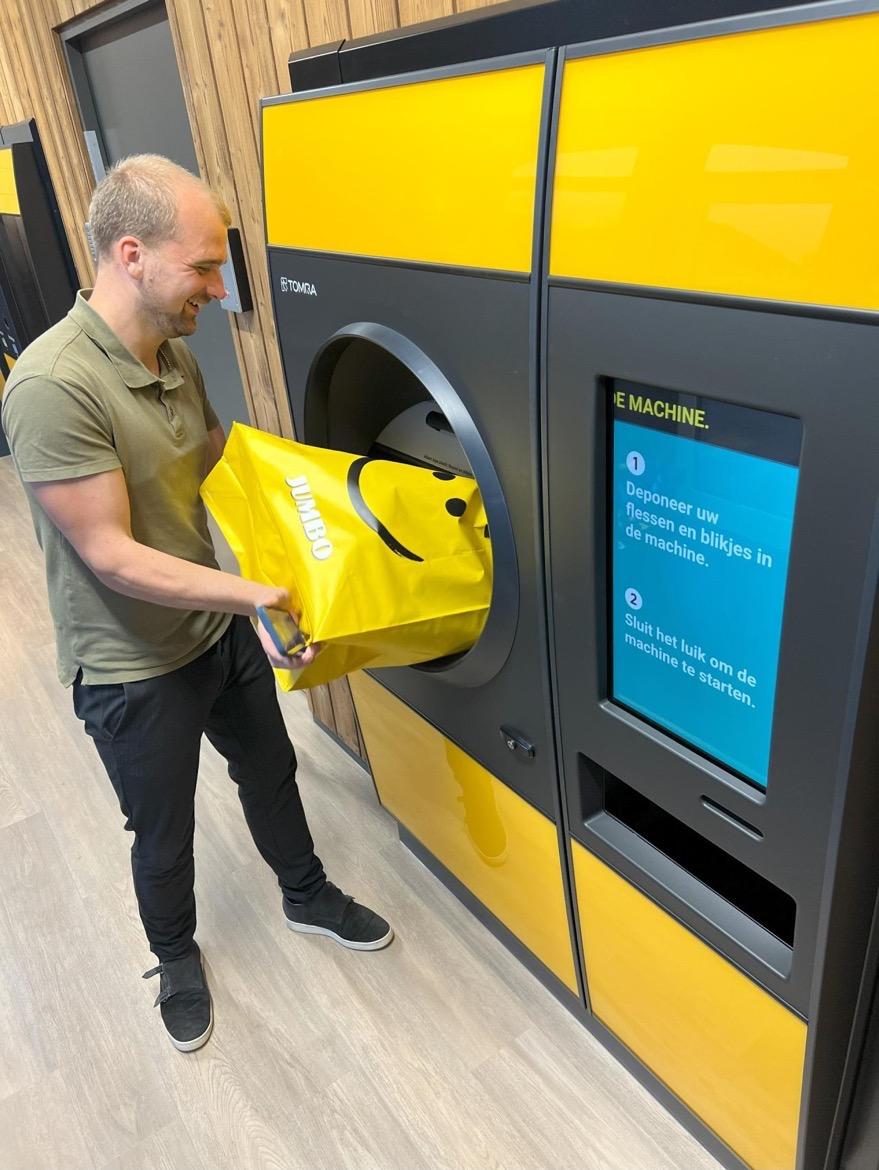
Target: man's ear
131	254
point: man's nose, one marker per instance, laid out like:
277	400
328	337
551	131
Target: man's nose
215	287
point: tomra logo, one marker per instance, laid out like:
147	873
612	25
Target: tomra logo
315	529
303	287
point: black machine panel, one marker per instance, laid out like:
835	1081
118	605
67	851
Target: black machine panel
476	335
35	256
629	769
37	277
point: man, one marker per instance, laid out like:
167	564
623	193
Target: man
112	433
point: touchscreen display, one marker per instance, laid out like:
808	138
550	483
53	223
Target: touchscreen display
703	496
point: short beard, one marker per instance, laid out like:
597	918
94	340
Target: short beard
168	325
171	325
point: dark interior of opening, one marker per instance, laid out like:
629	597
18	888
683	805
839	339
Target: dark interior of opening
366	387
749	892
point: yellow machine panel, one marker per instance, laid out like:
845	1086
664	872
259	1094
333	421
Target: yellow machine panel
727	1049
504	851
6	369
744	164
441	171
8	190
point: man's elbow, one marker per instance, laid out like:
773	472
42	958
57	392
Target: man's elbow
110	558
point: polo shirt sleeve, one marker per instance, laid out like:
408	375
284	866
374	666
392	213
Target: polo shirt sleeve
56	432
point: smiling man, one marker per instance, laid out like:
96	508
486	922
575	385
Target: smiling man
112	433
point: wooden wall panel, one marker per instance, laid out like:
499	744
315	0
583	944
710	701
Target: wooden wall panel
347	727
226	146
414	11
230	55
371	16
327	20
288	32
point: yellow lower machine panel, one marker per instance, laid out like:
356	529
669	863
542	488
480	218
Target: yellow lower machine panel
727	1049
503	850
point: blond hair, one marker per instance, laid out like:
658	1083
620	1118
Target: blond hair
139	197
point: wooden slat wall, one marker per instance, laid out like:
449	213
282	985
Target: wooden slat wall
231	54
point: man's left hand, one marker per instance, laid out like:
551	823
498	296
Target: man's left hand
285	661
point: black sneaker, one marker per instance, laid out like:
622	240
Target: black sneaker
337	915
184	1001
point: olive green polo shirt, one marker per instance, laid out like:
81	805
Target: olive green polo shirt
78	403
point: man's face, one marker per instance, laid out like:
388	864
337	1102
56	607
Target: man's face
182	275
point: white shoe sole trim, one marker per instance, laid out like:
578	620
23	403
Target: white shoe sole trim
199	1041
301	928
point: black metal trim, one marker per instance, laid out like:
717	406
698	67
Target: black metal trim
107	15
416	77
315	68
524	25
486	32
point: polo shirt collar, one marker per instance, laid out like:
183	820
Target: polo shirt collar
133	373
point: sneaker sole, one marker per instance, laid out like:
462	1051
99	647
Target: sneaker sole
377	945
199	1041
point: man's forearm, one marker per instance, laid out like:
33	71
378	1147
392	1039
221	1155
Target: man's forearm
137	570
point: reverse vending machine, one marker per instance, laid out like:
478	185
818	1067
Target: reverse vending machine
625	268
37	277
710	403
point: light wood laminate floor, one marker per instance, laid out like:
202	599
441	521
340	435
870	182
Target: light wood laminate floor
439	1052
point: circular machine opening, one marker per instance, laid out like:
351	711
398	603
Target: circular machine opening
370	391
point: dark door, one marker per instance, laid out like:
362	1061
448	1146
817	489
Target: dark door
128	85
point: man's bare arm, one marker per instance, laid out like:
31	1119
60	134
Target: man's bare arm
216	443
94	514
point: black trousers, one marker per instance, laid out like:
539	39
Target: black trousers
148	735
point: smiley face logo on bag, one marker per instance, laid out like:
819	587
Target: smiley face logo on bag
457	507
454	506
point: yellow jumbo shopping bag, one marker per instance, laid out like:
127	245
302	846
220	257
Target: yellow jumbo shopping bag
386	564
